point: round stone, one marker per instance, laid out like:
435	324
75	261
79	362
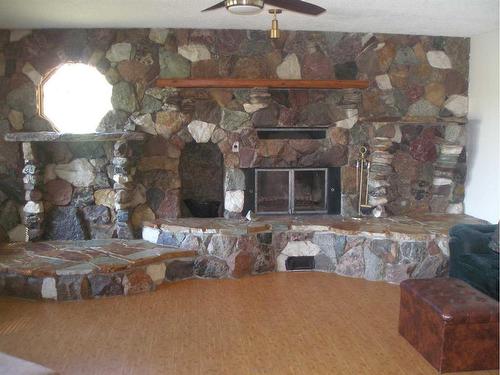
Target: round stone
58	192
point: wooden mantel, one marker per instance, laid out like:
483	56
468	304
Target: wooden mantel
233	83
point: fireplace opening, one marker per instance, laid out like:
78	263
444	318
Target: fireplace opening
294	190
201	170
299	263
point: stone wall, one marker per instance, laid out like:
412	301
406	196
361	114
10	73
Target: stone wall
412	114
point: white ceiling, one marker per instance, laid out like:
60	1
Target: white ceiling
425	17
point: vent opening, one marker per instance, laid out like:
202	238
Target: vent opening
300	263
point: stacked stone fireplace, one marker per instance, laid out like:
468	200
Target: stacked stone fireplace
272	161
411	118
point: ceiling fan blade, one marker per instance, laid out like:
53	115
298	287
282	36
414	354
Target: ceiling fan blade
297	6
222	4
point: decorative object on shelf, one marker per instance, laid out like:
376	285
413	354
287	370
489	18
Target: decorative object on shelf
250	216
362	178
275	32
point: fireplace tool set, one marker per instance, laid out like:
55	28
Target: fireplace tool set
362	177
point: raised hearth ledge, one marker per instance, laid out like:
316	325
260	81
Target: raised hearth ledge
384	249
70	137
416	227
72	270
391	250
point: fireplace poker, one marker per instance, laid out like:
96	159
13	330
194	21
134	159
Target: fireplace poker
362	168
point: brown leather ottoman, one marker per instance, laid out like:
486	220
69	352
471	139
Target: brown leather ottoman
454	326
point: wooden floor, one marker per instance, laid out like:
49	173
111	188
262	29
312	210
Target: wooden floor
281	323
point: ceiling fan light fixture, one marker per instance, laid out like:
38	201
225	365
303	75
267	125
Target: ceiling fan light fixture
275	32
244	7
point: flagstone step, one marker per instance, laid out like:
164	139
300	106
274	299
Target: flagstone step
62	270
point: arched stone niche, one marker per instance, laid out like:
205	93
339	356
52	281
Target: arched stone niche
222	162
201	170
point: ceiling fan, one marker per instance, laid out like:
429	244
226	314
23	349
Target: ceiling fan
255	6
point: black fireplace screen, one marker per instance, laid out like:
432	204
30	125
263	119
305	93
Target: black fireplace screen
294	190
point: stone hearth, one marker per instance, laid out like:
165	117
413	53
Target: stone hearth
391	250
71	270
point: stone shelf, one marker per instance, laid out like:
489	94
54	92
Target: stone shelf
233	83
69	137
415	120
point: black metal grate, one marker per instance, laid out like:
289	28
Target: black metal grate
300	263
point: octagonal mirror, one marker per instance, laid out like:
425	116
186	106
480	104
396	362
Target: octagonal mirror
74	98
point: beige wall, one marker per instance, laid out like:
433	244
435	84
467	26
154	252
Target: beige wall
482	197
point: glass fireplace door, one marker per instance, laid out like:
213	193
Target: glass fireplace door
288	191
272	189
309	190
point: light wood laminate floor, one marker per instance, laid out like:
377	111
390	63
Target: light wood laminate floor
281	323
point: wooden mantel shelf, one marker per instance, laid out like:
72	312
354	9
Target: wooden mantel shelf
233	83
67	137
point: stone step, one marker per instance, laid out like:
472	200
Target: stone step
174	232
62	270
